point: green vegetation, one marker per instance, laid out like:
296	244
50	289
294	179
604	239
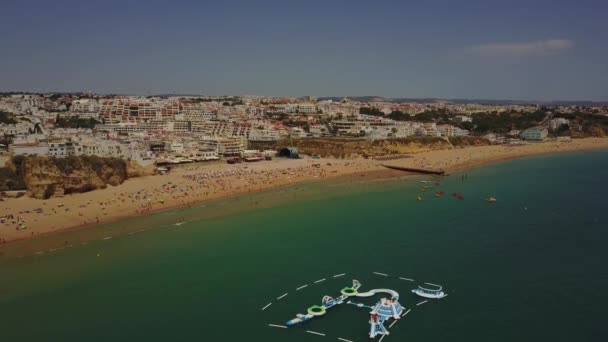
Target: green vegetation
7	118
6	139
75	122
12	174
590	124
506	121
370	111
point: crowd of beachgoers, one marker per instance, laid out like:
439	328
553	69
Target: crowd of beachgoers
182	187
26	217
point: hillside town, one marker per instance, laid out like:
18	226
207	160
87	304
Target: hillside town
178	129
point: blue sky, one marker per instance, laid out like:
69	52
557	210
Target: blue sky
529	50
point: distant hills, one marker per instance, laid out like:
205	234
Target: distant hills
369	99
465	101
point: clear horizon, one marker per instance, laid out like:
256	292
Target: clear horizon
478	50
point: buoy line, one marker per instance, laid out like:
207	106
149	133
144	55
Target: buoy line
301	287
406	279
320	280
424	301
315	333
282	296
381	274
266	307
277	326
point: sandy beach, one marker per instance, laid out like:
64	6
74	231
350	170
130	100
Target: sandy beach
198	183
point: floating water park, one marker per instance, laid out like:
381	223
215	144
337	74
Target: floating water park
387	310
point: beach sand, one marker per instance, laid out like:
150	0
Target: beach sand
196	183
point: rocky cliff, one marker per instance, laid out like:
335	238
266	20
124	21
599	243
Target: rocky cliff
352	148
136	170
47	177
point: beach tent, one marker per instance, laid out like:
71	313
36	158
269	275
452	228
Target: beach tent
289	152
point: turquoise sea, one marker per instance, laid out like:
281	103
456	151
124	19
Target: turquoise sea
530	267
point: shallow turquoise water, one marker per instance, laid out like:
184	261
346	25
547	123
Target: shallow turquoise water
528	268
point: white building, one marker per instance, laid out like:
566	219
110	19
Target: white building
404	131
29	149
307	108
176	147
452	131
263	134
297	132
224	146
318	130
557	122
535	133
464	118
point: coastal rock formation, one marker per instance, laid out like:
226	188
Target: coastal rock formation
352	148
47	177
136	170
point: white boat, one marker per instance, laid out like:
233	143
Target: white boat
432	293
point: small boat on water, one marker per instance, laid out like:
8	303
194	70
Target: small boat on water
490	199
422	189
439	194
418	198
433	291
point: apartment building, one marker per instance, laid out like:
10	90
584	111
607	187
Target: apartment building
535	133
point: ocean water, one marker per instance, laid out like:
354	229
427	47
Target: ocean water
530	267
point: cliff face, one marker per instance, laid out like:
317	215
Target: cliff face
136	170
352	148
47	177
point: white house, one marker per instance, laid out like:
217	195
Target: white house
557	122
